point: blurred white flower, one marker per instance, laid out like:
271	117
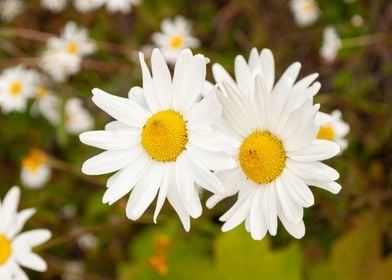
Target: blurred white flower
16	86
175	36
122	6
47	104
16	247
306	12
68	211
10	9
331	45
77	118
73	40
35	170
333	128
85	6
357	20
73	270
161	143
59	64
54	6
87	241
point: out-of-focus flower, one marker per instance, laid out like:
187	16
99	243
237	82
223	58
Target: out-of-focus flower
47	104
331	45
68	211
10	9
16	86
175	36
306	12
85	6
333	128
357	20
73	270
60	65
16	247
35	170
279	157
87	241
161	143
122	6
54	6
77	118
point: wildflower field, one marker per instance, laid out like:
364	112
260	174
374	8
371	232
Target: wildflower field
197	139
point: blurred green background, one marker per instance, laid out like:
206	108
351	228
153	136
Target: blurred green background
349	235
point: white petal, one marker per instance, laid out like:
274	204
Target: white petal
31	238
178	206
20	221
330	186
312	170
213	141
292	211
31	260
220	74
9	207
163	190
184	181
161	79
148	87
258	228
297	230
211	160
243	74
110	140
239	215
297	189
182	63
269	208
317	150
268	68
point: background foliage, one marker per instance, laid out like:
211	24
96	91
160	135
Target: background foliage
349	236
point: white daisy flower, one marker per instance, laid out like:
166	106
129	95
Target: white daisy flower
175	36
331	45
279	155
77	118
306	12
9	9
122	6
35	171
73	40
85	6
333	128
47	104
54	6
16	86
162	143
16	247
59	64
73	270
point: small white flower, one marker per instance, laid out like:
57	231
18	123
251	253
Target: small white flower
54	6
73	270
16	247
333	128
9	9
59	64
85	6
331	45
77	118
122	6
162	143
16	86
306	12
175	36
279	157
87	241
73	40
47	104
35	170
357	20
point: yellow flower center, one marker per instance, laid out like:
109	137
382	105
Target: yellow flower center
262	157
34	160
176	41
5	249
164	136
326	132
72	47
41	92
16	88
309	7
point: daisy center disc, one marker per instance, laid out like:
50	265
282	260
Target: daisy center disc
16	88
326	132
176	42
72	47
262	157
34	160
5	249
164	136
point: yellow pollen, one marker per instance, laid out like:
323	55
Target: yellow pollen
5	249
176	41
164	136
326	132
41	92
72	47
34	160
16	88
262	157
308	7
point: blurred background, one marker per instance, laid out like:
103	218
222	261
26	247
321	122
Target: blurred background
349	235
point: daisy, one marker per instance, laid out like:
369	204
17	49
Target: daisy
85	6
47	104
161	143
122	6
77	118
333	128
16	86
175	36
54	6
73	40
306	12
279	155
16	247
9	9
331	45
59	64
35	171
